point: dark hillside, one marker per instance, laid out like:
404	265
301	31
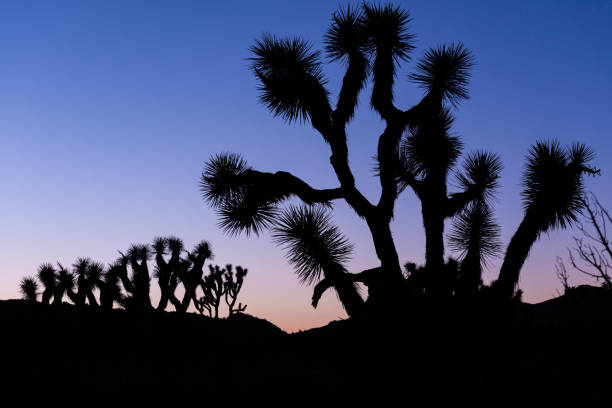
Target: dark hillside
458	351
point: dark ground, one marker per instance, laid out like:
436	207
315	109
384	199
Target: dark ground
557	350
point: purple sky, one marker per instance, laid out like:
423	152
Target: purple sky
109	109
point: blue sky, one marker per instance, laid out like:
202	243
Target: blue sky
109	109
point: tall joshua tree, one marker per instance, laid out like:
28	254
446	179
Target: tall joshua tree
371	42
553	197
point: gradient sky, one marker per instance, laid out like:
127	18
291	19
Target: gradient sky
109	109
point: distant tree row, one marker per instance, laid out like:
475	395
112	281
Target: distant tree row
126	283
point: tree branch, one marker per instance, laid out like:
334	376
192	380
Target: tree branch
319	289
352	84
287	183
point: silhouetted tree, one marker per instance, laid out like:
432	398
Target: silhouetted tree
177	267
80	273
110	289
138	256
65	285
46	276
29	289
372	40
553	196
214	289
232	285
592	253
95	272
192	277
163	272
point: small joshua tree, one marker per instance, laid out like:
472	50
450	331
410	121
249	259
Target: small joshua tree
192	277
214	289
46	276
65	285
233	286
29	289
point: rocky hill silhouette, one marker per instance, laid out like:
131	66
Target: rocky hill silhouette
554	349
466	350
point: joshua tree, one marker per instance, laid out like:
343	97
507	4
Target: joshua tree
192	277
177	268
110	290
65	284
138	256
553	196
163	273
214	289
80	272
46	276
372	41
95	272
232	287
29	289
167	272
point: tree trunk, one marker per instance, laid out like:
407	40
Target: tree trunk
471	274
57	296
433	223
46	296
389	282
516	254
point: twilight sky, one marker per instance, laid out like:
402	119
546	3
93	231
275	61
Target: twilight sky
109	109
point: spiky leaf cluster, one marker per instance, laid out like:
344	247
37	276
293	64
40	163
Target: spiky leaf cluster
139	253
553	189
46	275
386	30
430	148
29	288
65	278
481	170
203	249
159	245
445	70
345	36
175	245
292	82
311	240
241	206
475	230
220	180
